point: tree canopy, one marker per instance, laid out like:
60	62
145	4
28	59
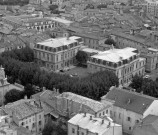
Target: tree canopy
13	95
110	41
81	57
147	86
28	73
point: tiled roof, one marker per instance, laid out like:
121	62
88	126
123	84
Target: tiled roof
93	125
21	109
94	105
129	100
148	126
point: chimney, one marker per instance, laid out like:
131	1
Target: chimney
57	91
67	36
54	90
90	117
84	114
44	88
102	122
141	92
25	97
129	101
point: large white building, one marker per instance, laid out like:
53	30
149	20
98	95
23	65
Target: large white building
59	53
87	124
125	63
129	107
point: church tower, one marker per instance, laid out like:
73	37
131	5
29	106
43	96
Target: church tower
3	78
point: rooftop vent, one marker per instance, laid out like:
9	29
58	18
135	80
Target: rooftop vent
129	101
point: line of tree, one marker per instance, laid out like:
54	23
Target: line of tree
28	74
145	85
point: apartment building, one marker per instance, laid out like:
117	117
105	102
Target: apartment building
87	124
59	53
25	113
125	63
5	86
152	7
151	56
129	107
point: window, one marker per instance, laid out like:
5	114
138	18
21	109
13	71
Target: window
39	122
110	112
128	119
99	114
82	133
27	127
119	115
103	113
39	116
22	123
73	130
106	111
130	128
114	114
137	121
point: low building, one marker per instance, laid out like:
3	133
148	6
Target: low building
69	104
27	114
129	107
5	86
87	124
125	63
148	126
59	53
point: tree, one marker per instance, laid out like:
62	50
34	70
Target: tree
102	6
13	95
29	90
81	57
110	41
137	82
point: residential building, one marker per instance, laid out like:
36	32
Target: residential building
129	107
27	114
69	104
128	40
35	21
5	86
87	124
152	7
148	126
59	53
151	56
47	99
125	63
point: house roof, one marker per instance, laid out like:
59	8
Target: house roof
21	109
129	100
115	55
93	125
148	126
94	105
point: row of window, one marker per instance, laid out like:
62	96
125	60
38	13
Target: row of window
49	57
30	120
58	48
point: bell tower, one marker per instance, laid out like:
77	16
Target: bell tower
3	78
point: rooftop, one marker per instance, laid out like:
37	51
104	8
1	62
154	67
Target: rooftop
129	100
61	20
58	42
148	125
93	125
114	55
21	109
94	105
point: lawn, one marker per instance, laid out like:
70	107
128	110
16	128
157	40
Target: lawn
80	71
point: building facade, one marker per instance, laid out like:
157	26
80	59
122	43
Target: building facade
129	107
57	54
25	113
151	56
125	63
87	124
152	7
